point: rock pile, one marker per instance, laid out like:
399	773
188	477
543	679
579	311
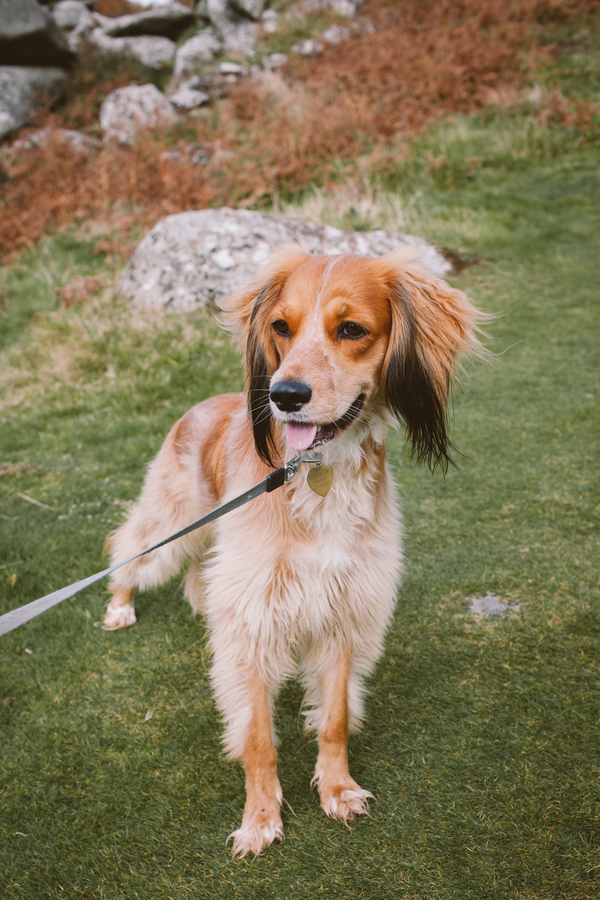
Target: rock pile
192	259
37	46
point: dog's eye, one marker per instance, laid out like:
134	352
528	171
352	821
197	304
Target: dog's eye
281	327
351	330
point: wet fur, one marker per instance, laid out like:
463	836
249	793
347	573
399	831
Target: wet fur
293	583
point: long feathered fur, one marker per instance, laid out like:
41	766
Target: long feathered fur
297	583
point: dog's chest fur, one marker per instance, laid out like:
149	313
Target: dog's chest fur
308	566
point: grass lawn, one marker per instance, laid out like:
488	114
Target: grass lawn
481	739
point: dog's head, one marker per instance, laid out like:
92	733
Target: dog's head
328	338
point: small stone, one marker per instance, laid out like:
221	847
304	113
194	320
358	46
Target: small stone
224	259
336	34
344	8
269	21
76	140
81	31
153	52
69	14
241	38
128	109
195	153
230	68
274	61
490	605
309	47
303	8
187	97
203	47
253	8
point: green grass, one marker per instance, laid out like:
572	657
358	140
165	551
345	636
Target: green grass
577	70
481	736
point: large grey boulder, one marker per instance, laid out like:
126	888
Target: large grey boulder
152	51
29	36
191	259
125	111
23	89
166	21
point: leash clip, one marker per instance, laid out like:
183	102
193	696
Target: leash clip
292	465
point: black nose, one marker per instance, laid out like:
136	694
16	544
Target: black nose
290	396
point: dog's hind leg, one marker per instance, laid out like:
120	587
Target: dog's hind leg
141	530
173	496
341	797
120	612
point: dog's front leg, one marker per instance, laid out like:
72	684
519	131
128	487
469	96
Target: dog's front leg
341	797
261	823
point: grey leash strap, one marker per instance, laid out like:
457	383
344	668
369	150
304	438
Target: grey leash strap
276	479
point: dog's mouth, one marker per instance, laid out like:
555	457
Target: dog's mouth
305	435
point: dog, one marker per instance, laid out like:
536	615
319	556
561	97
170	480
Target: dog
336	350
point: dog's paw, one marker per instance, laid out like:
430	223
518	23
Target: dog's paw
344	803
119	617
255	835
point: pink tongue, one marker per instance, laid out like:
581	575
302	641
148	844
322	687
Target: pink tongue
300	437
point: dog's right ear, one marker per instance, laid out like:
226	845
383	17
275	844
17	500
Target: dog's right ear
247	315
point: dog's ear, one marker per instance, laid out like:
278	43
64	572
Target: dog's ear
247	315
432	326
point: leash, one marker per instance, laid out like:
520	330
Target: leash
276	479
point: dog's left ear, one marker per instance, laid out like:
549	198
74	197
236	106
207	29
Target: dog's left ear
432	326
247	314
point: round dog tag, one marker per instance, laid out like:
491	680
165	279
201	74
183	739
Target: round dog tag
320	479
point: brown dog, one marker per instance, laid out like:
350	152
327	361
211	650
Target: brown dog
297	583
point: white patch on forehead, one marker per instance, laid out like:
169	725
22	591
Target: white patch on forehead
313	328
326	277
313	343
